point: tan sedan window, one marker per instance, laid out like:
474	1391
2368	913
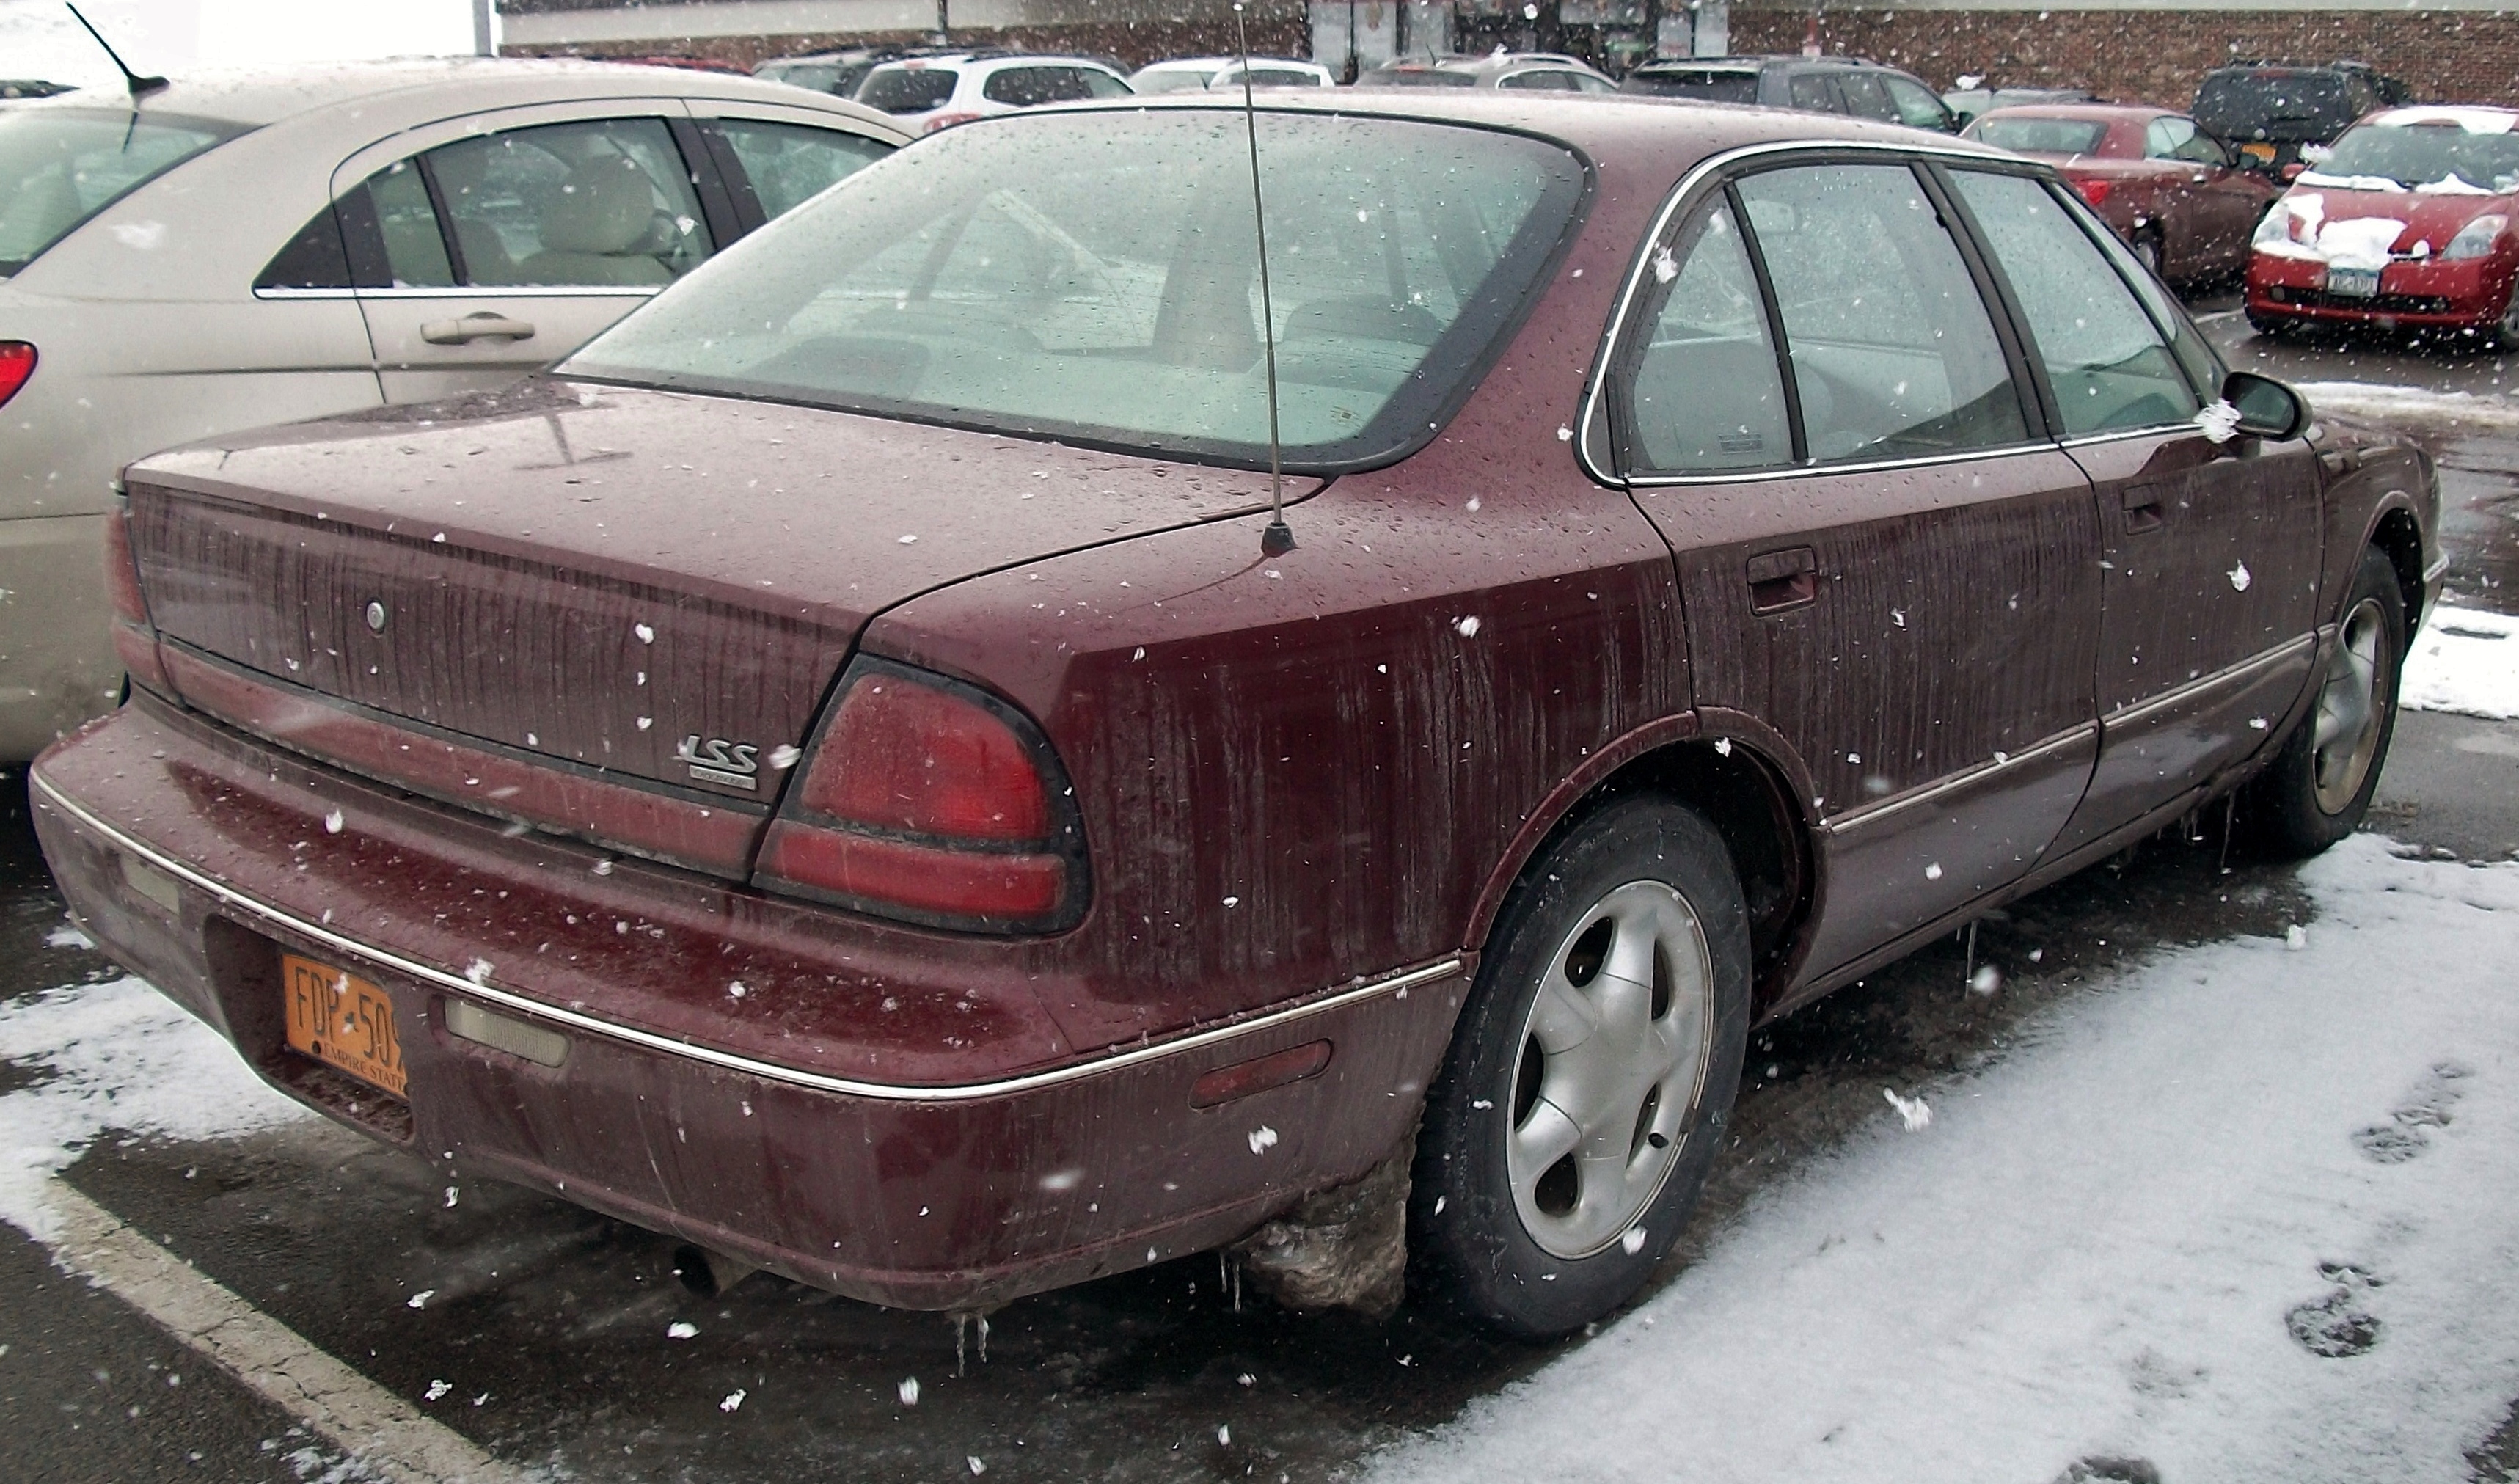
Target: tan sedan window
603	203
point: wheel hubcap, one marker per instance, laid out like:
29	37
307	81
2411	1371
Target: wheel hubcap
1611	1058
2351	708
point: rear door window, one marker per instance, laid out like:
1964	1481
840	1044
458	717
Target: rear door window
1811	90
1892	351
1915	105
1030	87
908	90
1543	79
1713	84
787	164
1707	394
1866	98
60	167
602	203
2110	366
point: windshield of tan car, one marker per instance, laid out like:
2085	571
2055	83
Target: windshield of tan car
61	166
1095	275
2426	154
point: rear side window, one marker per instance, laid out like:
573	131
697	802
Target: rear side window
1707	395
60	167
415	248
1866	98
1810	89
603	202
315	259
908	90
1892	351
1915	105
789	165
1547	80
2110	367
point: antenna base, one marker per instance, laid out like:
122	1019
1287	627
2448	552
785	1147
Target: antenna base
1277	540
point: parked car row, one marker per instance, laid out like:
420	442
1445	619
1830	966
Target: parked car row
840	768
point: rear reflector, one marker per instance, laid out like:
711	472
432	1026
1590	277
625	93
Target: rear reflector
499	1033
16	364
135	641
1259	1074
932	801
2092	191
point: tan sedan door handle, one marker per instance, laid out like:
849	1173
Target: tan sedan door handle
484	325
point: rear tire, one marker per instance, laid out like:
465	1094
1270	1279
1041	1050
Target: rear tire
2319	787
1590	1077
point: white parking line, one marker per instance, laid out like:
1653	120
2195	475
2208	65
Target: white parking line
388	1435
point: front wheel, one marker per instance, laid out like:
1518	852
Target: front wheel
2319	787
1590	1077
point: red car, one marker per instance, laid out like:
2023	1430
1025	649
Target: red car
2180	198
2405	224
843	770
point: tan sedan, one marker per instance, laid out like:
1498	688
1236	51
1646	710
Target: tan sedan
259	247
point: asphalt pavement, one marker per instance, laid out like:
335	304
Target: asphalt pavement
545	1338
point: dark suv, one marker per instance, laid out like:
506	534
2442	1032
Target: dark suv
2269	109
1813	84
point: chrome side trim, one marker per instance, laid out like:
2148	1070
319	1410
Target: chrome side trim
1855	819
2228	675
2432	572
1585	455
647	1040
484	292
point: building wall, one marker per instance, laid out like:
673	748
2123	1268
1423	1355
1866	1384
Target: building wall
743	32
2153	54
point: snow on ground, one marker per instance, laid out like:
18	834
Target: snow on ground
117	1055
2371	399
2464	660
2103	1246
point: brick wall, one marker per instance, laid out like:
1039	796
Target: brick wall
1133	44
2157	56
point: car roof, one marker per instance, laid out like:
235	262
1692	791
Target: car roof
2466	115
430	87
1679	130
1490	62
993	60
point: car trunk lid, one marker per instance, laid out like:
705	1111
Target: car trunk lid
509	602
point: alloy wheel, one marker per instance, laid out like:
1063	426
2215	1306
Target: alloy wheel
2350	708
1612	1059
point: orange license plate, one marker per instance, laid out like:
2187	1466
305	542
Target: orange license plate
2258	150
342	1020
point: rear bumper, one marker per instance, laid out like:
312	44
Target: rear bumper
778	1131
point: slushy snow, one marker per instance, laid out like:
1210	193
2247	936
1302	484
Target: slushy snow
2157	1230
2463	660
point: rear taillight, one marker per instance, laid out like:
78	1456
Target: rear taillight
2092	191
135	640
932	801
936	121
16	364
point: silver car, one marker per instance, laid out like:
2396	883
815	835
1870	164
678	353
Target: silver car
260	247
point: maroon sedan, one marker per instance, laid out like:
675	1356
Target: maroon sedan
834	771
2179	197
2405	224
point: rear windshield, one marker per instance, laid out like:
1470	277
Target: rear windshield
1417	77
2040	136
907	90
2278	106
1093	277
2441	155
58	167
1709	83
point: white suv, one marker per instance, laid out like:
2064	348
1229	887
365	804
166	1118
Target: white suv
928	93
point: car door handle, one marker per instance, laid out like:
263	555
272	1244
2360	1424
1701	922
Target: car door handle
484	325
1781	580
2142	512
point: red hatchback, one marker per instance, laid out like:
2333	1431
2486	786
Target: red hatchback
2179	197
2405	224
835	771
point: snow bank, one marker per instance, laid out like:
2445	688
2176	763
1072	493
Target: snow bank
2372	400
2464	660
2105	1246
113	1056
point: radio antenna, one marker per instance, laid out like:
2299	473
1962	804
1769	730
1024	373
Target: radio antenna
141	87
1279	538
